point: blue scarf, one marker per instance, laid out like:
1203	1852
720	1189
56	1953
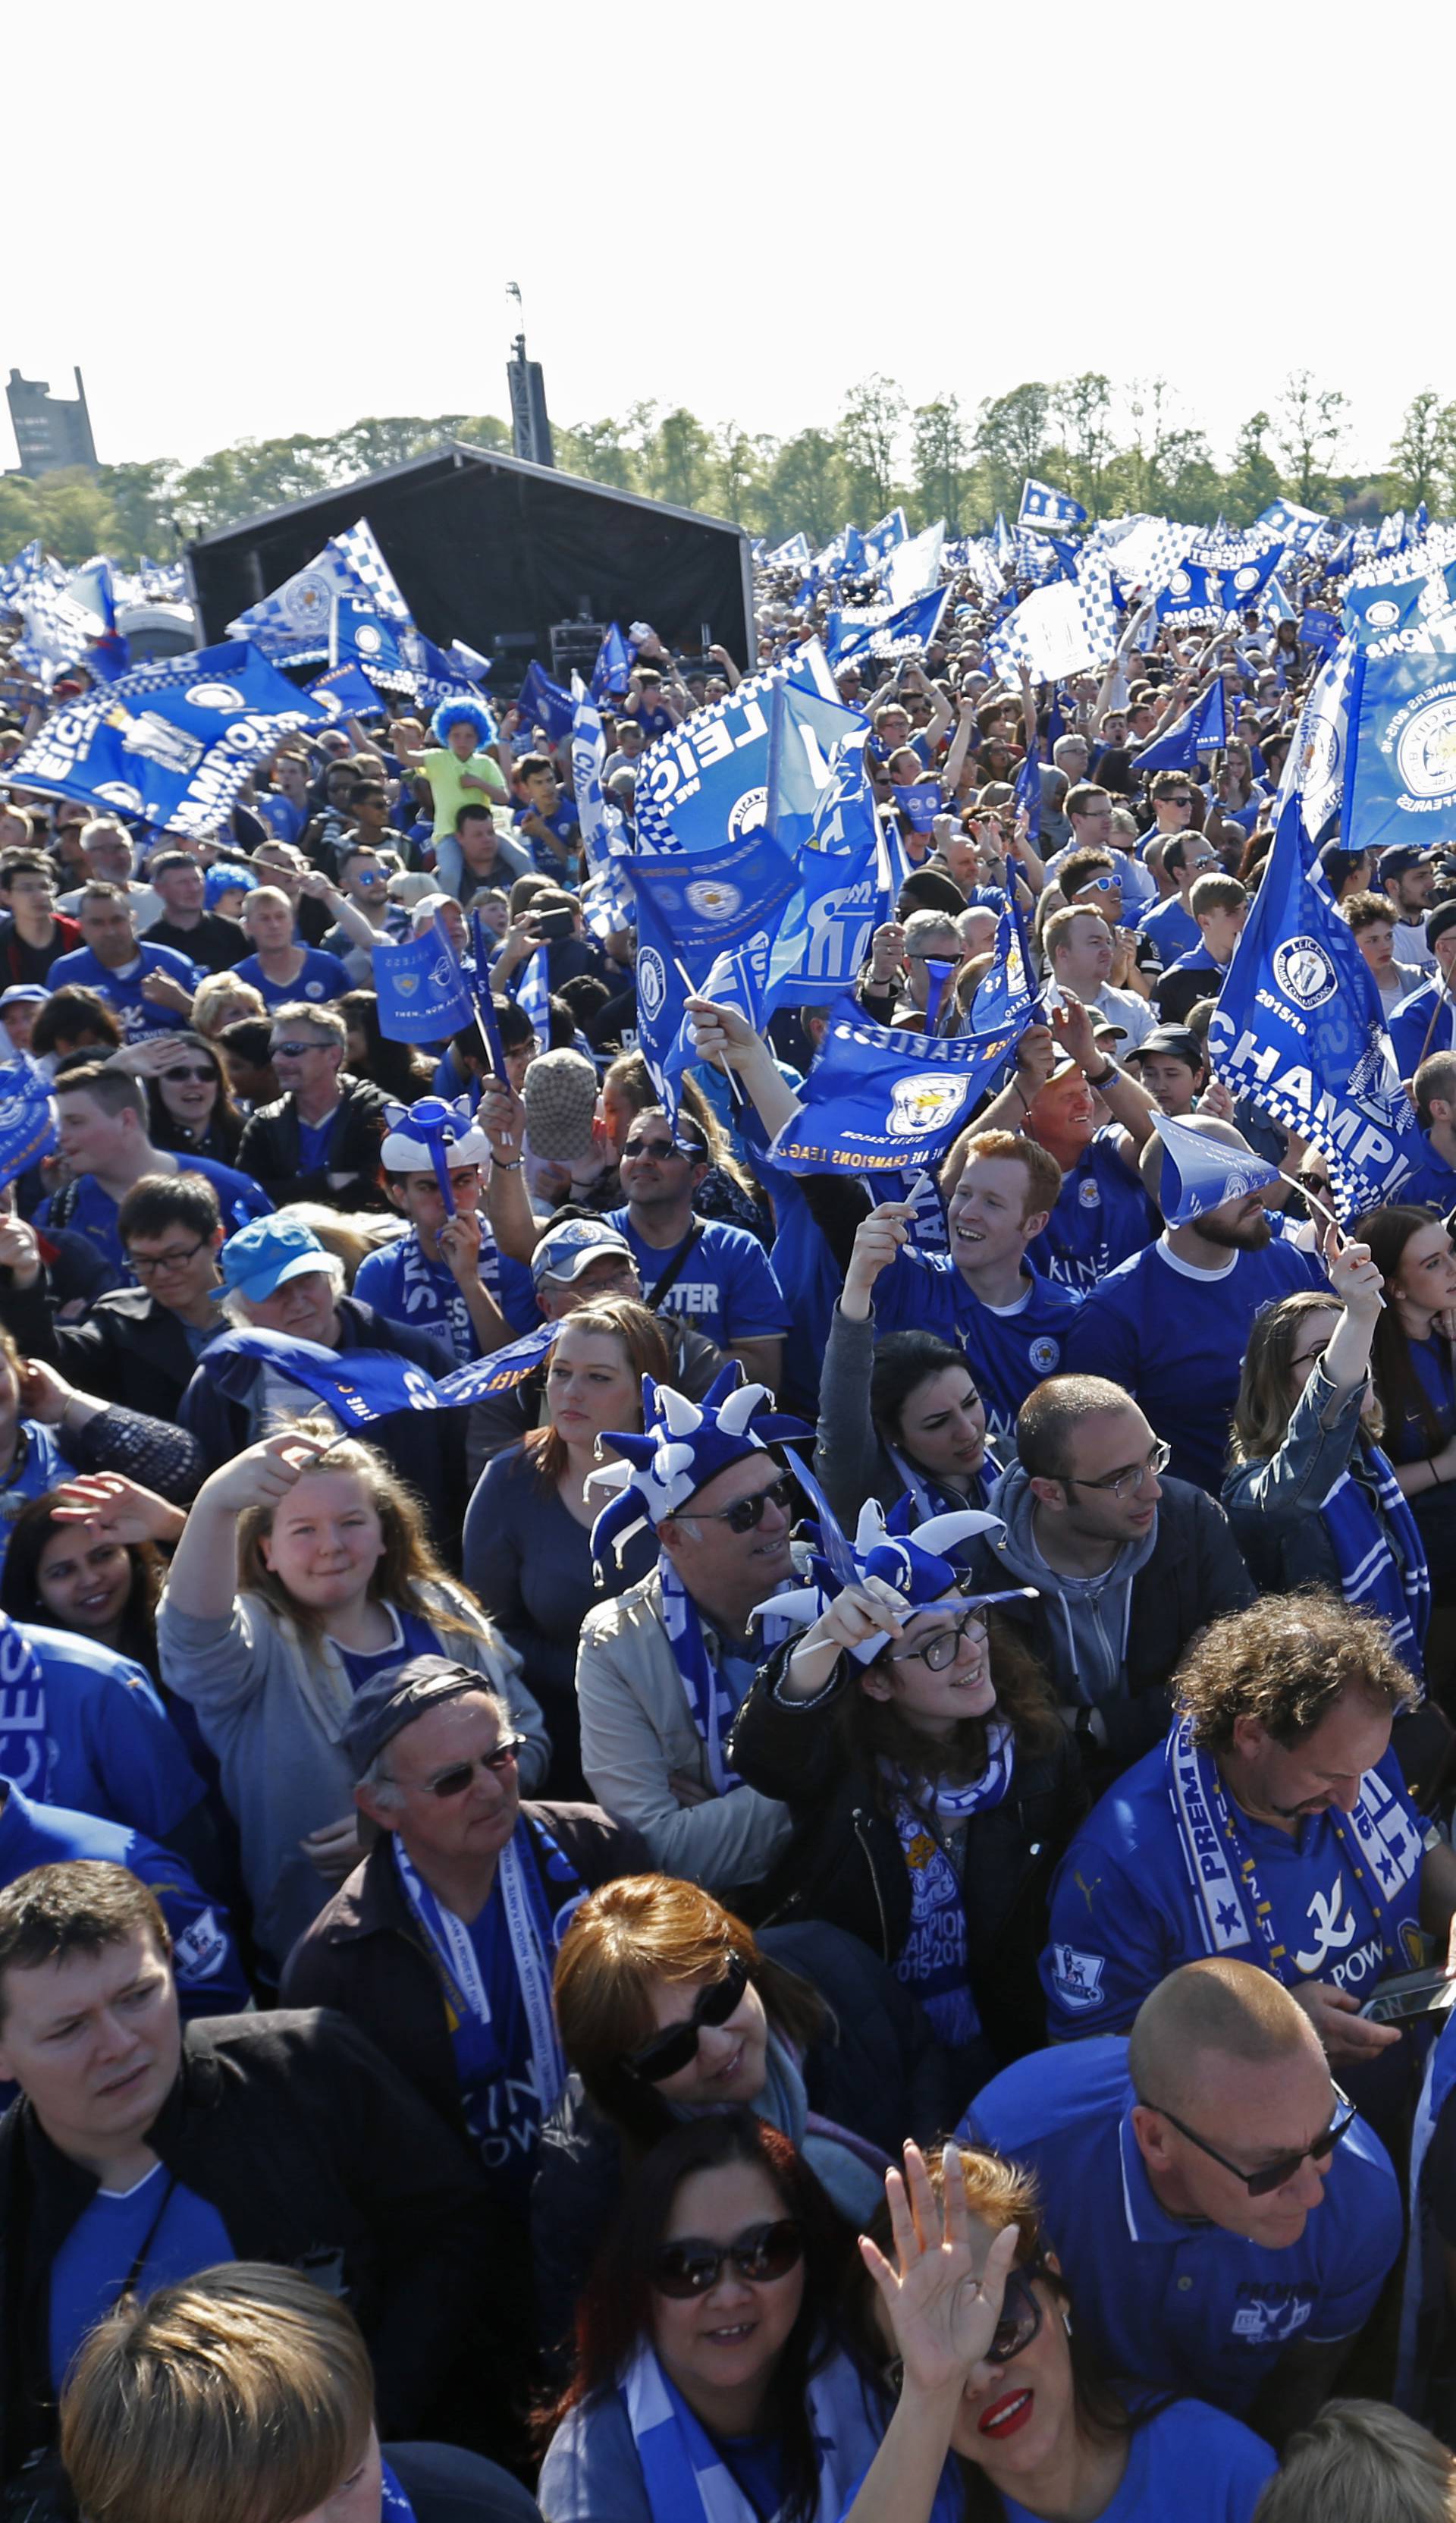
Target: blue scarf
1382	1558
922	1497
710	1704
683	2473
1380	1840
393	2504
932	1962
534	1937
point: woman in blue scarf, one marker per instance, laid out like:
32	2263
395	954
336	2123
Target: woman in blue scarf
1311	1498
712	2379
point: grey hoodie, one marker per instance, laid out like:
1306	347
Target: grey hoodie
1087	1616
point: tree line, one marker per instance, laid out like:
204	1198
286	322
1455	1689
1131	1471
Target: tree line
1115	448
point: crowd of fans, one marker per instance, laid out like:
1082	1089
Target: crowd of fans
530	1983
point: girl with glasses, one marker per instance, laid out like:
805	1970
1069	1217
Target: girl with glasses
931	1784
712	2374
999	2414
670	2008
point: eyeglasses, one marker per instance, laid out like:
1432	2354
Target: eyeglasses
760	2255
941	1650
454	1781
678	2046
1121	1485
1272	2177
1019	2323
664	1148
145	1265
747	1513
196	1074
294	1050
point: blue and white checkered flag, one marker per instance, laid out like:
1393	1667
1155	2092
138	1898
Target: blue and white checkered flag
27	567
290	625
358	550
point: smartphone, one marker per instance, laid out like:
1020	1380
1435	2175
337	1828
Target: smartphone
1410	1993
554	924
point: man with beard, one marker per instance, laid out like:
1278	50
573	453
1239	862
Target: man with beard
1171	1324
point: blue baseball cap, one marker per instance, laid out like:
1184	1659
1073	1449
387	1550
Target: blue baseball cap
22	993
574	1246
260	1258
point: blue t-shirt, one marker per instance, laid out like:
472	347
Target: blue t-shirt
321	978
83	1727
1101	1217
42	1466
1434	1182
727	1288
1008	1349
1173	931
88	1210
1412	1034
315	1138
1405	1439
123	991
407	1288
210	1979
566	826
93	2265
1182	2305
284	820
1123	1912
413	1637
1174	1338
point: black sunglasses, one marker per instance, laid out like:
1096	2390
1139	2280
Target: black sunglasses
760	2253
1272	2177
454	1781
674	2048
747	1513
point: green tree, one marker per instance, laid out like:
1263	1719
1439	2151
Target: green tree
1011	433
871	426
805	487
682	461
1082	407
1311	425
739	462
141	497
597	452
938	453
1422	453
1254	478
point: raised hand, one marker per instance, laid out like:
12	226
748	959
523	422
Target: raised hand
878	1239
116	1510
943	2295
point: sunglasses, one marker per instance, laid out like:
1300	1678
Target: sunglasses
678	2046
194	1074
454	1781
1272	2177
294	1050
746	1514
760	2255
664	1148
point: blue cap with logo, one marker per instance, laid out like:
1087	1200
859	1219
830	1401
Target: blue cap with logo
567	1253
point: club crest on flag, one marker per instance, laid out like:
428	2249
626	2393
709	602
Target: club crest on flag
306	601
1425	748
920	1103
712	902
1303	971
747	813
653	982
214	696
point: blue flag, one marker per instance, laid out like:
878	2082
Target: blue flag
173	741
346	691
290	625
1029	793
707	782
438	675
359	636
803	730
478	982
1205	591
1041	505
542	703
613	668
913	625
1299	1029
1202	728
504	1369
881	540
882	1101
1006	998
356	1384
1400	781
27	1121
692	909
922	802
601	822
1319	630
421	989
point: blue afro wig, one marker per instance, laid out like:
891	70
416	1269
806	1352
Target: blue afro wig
462	714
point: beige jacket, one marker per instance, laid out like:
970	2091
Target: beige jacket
636	1729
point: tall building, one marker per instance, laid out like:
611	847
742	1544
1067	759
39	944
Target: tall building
50	433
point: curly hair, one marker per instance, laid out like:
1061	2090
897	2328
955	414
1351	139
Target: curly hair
461	714
1287	1660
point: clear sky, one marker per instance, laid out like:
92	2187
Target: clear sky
278	219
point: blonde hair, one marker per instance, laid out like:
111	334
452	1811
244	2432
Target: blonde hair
213	992
244	2395
1361	2462
406	1562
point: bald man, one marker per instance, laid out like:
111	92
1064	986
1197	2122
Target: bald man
1224	2220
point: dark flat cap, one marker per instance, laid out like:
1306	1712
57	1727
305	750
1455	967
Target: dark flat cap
392	1700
